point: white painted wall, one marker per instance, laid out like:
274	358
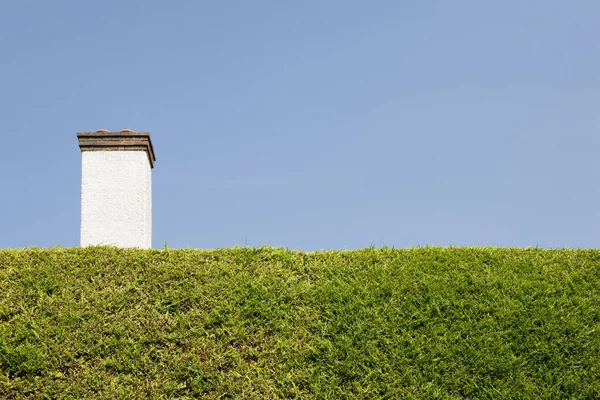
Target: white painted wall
116	199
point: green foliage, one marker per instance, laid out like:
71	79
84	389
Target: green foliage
447	323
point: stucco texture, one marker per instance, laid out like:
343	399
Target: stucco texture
116	199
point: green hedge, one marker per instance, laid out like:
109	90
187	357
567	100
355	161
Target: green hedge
484	323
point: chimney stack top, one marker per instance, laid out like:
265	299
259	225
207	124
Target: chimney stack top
124	140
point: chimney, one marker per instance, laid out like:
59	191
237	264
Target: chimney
116	188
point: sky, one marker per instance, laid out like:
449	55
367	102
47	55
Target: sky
311	124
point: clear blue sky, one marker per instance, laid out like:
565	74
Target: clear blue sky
311	124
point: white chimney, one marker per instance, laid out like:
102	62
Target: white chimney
116	188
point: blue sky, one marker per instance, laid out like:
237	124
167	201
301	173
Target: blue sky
311	124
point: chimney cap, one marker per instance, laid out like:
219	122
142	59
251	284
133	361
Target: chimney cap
125	140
